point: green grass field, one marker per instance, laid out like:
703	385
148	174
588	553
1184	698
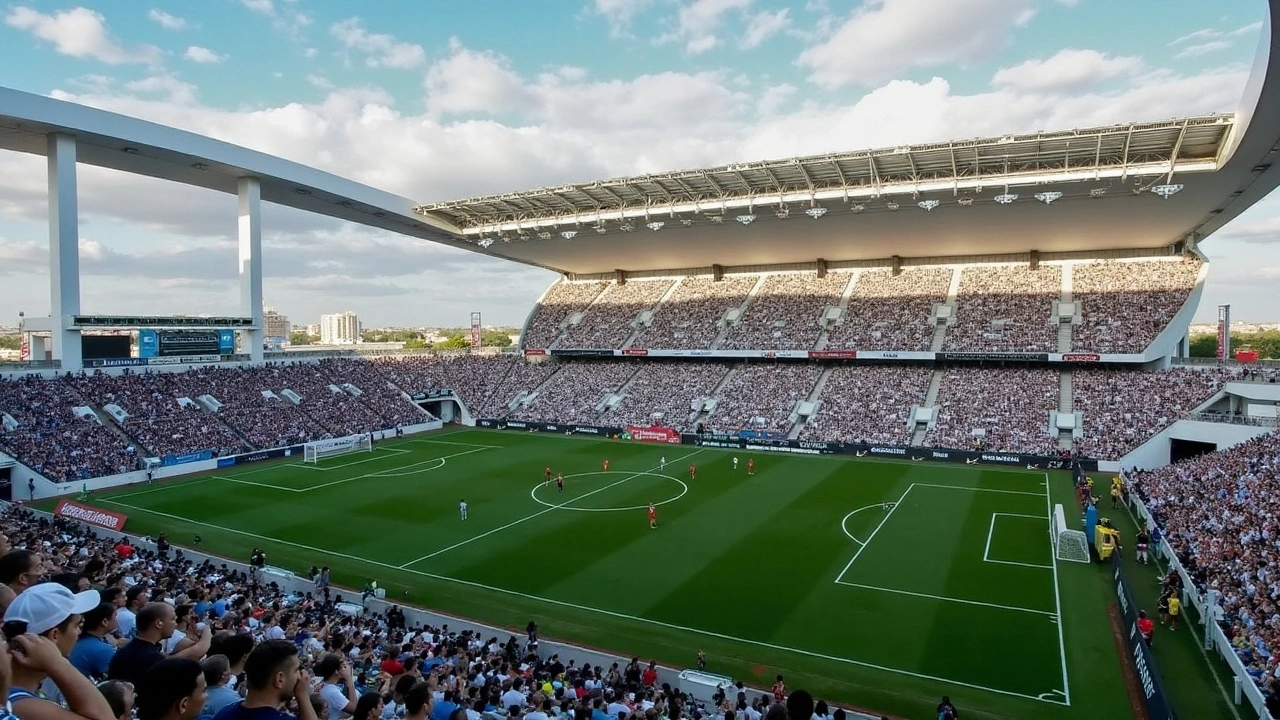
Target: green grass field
881	584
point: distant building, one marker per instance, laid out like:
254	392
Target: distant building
275	324
341	329
313	329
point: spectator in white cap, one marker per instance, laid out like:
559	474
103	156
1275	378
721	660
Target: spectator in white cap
44	624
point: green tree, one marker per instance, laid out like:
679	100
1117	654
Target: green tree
300	337
495	338
416	343
1204	345
10	342
454	342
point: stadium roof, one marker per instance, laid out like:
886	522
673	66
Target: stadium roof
119	142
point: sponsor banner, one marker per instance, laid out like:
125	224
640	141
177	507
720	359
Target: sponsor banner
499	424
579	352
1144	661
226	342
117	362
761	435
655	433
260	456
1013	357
635	352
432	394
189	359
833	354
113	521
163	361
183	458
342	443
534	351
148	343
1081	357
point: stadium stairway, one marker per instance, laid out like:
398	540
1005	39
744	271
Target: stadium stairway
1064	329
653	313
108	422
742	313
930	397
1066	404
825	336
940	331
798	425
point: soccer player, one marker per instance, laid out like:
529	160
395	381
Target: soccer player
560	482
653	516
693	471
735	462
662	464
462	509
546	476
751	466
606	464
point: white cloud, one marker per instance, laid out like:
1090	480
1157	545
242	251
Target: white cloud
763	26
883	38
619	13
381	50
165	20
1066	71
82	33
262	7
471	81
1207	34
698	23
1204	48
203	55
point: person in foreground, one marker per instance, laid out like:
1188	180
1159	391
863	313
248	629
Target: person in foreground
172	689
274	678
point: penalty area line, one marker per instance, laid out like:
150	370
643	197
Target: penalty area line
600	611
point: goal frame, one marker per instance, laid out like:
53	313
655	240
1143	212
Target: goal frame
317	450
1068	545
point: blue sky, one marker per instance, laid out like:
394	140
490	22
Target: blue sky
438	100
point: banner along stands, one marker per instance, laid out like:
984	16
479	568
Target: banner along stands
655	433
112	521
1144	662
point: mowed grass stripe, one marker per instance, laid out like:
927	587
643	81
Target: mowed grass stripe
838	486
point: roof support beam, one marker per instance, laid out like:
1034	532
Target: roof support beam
1177	147
1124	175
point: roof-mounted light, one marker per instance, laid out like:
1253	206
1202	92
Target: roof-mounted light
1048	197
656	225
746	219
1006	198
569	234
816	212
928	205
1167	191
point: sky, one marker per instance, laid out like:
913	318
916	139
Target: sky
439	101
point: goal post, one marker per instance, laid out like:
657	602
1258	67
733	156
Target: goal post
1070	545
317	450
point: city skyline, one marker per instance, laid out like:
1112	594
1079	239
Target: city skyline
460	107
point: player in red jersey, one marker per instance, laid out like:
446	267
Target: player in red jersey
559	482
546	476
693	471
751	466
606	465
653	516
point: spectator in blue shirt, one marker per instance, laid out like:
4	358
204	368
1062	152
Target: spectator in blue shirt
93	652
217	673
274	678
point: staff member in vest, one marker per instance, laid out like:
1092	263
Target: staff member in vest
44	624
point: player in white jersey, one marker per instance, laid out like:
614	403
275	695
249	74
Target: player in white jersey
462	509
735	462
662	464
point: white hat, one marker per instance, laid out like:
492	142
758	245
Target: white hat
44	606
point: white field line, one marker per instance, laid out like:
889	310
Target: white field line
845	520
986	554
448	442
540	513
1057	596
883	520
945	598
330	468
598	611
978	489
389	472
161	487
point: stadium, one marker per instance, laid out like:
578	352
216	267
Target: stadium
882	425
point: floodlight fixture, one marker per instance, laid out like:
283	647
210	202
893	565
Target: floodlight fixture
601	229
964	201
746	219
687	222
1048	197
656	225
716	219
928	205
545	235
485	242
783	212
858	207
1167	191
626	227
1097	192
1006	198
816	212
569	234
893	206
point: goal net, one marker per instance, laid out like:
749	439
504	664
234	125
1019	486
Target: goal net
316	451
1068	544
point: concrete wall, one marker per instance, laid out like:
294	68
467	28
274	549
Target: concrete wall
1155	452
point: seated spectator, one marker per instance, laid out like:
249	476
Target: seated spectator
172	689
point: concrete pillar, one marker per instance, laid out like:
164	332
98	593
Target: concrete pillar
250	229
64	249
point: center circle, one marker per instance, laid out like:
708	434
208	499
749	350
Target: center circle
567	504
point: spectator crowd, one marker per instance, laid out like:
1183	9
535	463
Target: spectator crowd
105	630
1006	308
1220	514
1125	304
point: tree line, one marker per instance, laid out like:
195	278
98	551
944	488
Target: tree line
1266	342
455	338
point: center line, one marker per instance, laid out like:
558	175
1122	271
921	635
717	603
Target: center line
540	513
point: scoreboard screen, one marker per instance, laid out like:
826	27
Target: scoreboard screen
185	343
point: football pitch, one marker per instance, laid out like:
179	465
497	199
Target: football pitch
877	583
